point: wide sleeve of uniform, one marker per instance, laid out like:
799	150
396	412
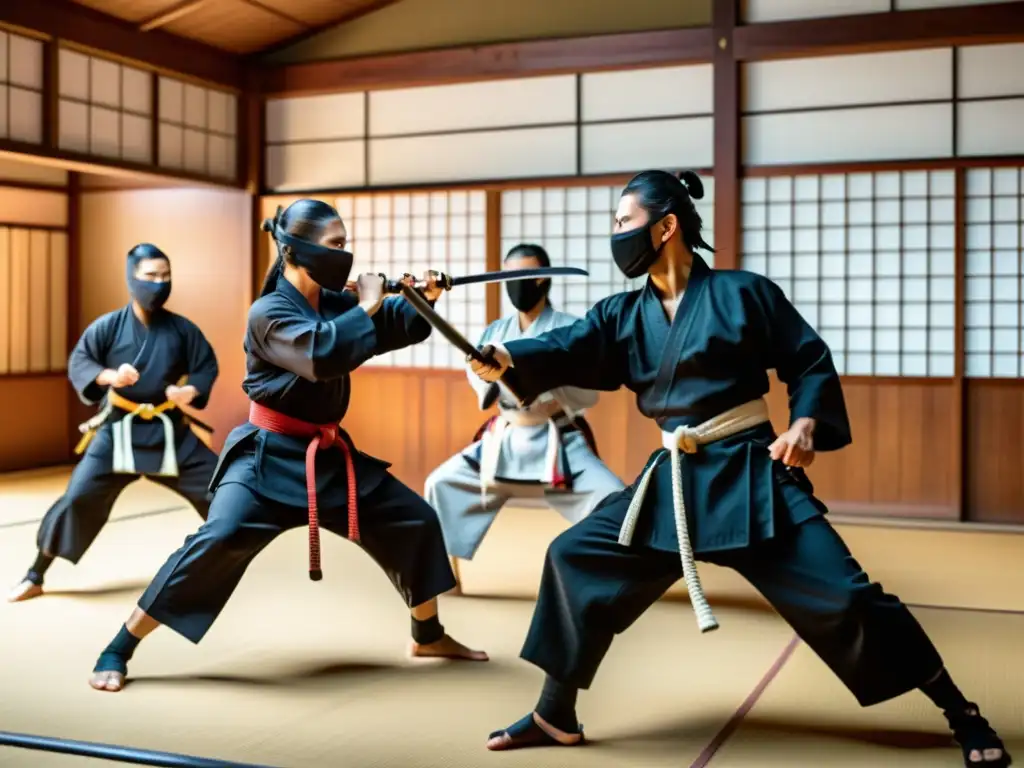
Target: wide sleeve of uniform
803	362
315	349
202	364
586	354
399	325
86	360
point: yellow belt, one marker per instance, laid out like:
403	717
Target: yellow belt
124	457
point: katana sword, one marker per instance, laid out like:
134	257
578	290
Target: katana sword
447	282
442	326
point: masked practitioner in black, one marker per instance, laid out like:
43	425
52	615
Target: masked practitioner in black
144	363
306	334
694	344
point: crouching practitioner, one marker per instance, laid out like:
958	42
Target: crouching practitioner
291	464
694	344
544	449
144	364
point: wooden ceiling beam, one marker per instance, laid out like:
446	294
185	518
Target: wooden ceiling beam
280	14
75	23
489	62
174	12
369	7
896	30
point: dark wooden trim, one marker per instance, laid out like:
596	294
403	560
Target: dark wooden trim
48	374
930	28
74	328
309	34
95	164
727	149
32	185
494	255
877	166
495	61
51	94
960	441
610	179
251	167
75	23
154	122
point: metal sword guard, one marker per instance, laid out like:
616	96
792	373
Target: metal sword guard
395	286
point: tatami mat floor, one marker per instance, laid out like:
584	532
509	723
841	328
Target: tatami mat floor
298	674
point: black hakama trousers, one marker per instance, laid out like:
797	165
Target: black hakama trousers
71	525
397	528
593	588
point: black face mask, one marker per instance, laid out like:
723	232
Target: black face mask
151	296
328	267
634	251
526	294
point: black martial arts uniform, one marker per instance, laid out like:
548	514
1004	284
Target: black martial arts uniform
744	511
298	364
170	348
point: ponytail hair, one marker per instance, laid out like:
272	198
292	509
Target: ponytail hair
661	193
305	219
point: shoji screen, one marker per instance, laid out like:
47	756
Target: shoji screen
198	129
784	10
574	224
502	129
646	118
865	107
994	290
990	113
868	259
21	88
445	230
106	108
33	281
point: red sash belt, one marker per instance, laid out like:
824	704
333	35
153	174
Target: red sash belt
322	437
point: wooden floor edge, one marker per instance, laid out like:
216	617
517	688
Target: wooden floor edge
114	752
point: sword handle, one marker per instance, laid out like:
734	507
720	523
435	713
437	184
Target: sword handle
395	286
510	378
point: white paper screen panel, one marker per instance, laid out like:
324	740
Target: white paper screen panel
33	306
198	129
444	230
21	88
840	81
990	70
642	93
475	156
756	11
105	108
868	259
994	273
849	135
633	146
990	128
493	104
316	165
316	118
574	226
914	5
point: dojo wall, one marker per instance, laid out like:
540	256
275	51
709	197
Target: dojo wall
207	234
424	24
882	191
34	272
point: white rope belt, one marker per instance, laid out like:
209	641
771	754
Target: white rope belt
688	440
124	454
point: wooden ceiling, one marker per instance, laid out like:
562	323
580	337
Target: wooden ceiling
236	26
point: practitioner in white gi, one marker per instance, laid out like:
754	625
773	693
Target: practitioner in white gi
546	450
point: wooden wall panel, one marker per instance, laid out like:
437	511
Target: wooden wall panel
34	414
902	462
995	450
207	234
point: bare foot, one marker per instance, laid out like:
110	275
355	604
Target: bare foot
447	648
532	731
24	591
109	680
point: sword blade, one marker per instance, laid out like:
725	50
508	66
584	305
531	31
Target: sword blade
518	274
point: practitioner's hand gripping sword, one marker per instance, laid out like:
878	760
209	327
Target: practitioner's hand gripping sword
447	282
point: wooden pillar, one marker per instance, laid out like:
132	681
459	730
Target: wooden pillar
77	411
494	254
961	439
725	16
252	131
